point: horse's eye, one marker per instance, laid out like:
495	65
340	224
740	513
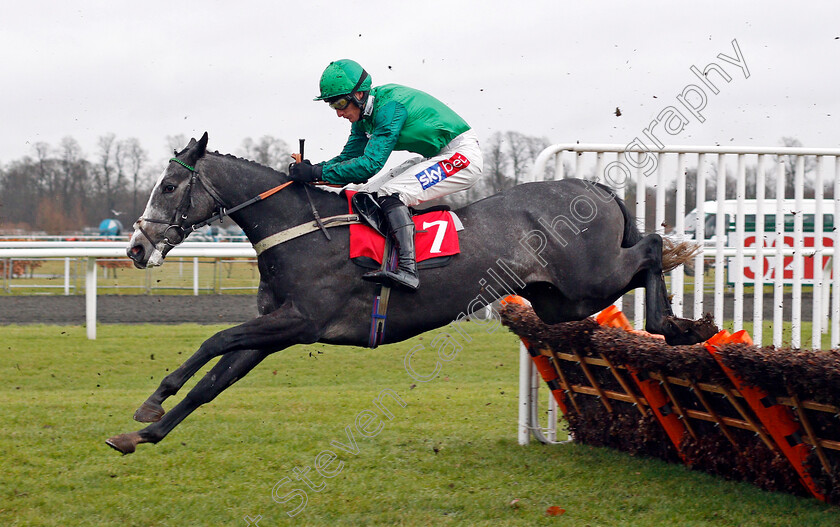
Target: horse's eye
168	189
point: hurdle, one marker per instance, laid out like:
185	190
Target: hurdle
762	415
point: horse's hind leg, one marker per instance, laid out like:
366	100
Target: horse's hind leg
659	318
601	283
657	304
230	368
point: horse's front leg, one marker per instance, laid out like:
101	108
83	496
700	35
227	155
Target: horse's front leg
242	347
659	317
232	367
283	327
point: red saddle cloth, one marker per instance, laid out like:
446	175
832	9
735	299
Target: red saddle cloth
436	236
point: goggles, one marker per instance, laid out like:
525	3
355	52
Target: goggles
340	103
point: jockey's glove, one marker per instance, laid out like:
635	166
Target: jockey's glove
304	172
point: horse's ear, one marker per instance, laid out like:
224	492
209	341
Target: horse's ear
196	149
202	144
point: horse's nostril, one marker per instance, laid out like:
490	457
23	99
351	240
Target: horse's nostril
135	252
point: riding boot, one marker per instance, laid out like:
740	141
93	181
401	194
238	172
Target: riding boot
401	229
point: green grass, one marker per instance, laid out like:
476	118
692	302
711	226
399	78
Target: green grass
449	457
787	332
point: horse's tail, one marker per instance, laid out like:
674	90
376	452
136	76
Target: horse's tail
674	254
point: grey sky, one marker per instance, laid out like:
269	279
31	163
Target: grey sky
547	68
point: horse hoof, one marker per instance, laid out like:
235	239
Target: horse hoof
125	443
686	331
149	413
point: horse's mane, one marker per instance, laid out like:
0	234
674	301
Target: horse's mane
247	161
259	166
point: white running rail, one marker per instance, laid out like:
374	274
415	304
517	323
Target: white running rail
93	250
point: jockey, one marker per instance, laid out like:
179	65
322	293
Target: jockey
387	118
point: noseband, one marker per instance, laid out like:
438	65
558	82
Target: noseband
179	217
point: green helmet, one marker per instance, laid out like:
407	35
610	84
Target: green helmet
343	77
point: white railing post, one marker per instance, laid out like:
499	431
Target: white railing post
779	272
826	297
816	290
558	166
195	276
760	242
835	272
678	274
90	298
720	234
738	278
659	215
524	433
700	235
798	246
599	165
66	276
619	303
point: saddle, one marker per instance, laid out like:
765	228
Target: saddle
436	237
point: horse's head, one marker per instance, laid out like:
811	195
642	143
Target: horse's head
179	200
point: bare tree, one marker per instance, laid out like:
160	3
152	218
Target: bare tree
519	153
18	193
74	173
176	143
136	158
496	163
535	146
119	162
105	173
46	192
809	165
268	151
46	175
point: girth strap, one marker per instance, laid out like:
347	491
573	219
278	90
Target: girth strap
305	228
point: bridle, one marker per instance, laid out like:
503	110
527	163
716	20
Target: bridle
179	216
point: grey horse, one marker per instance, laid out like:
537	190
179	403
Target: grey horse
570	247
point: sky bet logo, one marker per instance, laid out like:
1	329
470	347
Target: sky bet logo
441	170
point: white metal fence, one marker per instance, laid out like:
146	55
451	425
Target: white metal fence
209	275
770	253
91	251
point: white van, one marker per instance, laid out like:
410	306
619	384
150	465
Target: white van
764	267
730	208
